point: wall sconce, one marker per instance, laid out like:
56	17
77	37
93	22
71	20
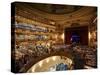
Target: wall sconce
62	37
89	35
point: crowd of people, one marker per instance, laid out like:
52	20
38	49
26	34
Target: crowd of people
89	55
24	54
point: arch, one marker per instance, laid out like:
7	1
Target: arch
33	61
51	64
78	62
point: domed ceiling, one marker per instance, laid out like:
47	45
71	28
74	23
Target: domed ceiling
55	8
52	8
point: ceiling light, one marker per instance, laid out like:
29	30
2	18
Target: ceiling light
47	60
54	58
40	63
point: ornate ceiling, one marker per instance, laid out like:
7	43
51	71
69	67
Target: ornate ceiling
56	15
55	8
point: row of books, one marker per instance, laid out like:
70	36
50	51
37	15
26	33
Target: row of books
33	27
32	37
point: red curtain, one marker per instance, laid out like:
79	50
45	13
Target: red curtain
82	32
